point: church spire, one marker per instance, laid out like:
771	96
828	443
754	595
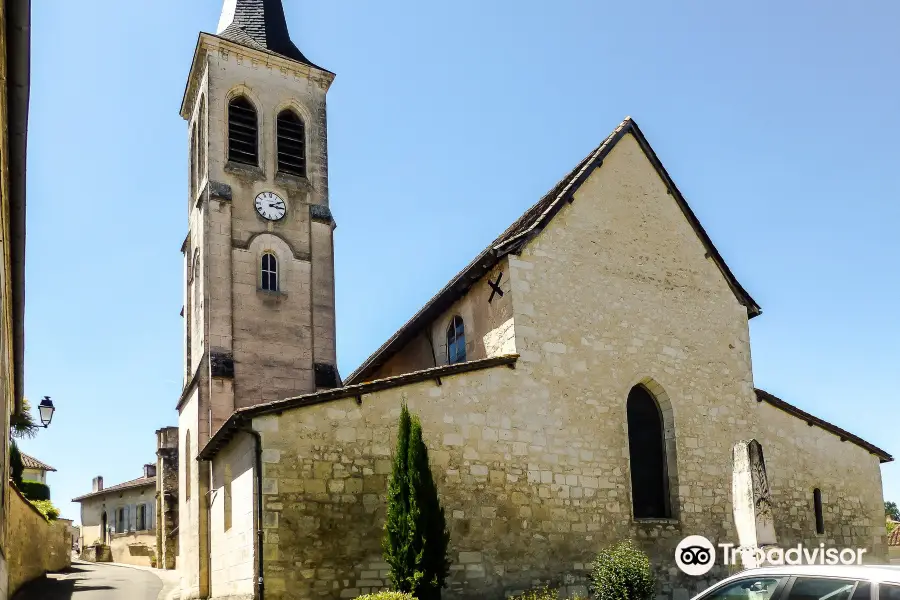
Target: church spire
259	24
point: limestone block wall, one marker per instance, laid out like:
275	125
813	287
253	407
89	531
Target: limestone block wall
232	521
34	546
488	327
135	548
193	480
799	459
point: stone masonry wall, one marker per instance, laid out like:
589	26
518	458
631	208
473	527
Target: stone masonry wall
232	522
34	546
488	327
532	463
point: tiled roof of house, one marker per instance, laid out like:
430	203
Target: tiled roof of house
134	483
260	24
30	462
846	436
529	225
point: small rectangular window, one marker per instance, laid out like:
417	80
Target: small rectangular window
817	507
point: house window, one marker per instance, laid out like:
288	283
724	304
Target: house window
243	132
291	136
646	448
269	272
141	517
817	506
456	341
122	520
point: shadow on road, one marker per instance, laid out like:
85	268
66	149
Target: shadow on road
57	586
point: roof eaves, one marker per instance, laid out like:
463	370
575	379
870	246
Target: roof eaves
844	435
121	487
240	418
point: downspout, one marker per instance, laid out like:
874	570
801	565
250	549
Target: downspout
260	589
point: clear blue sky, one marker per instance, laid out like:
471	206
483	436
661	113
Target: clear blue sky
779	121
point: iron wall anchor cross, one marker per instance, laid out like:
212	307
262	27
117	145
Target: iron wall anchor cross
495	287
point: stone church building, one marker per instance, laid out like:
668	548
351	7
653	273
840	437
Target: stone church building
582	381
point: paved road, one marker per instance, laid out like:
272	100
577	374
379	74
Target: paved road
89	581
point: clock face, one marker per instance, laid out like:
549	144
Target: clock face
270	206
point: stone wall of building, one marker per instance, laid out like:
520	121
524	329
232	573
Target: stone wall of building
34	546
232	521
488	328
134	548
192	514
533	462
167	497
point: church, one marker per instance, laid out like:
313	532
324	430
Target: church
582	381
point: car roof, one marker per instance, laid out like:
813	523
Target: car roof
886	573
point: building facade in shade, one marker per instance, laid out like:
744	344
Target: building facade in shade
15	50
584	380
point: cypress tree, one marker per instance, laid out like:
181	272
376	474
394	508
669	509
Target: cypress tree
16	467
416	535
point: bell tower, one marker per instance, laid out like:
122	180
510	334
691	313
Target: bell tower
259	320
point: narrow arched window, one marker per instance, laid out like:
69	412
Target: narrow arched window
193	161
201	137
187	465
291	143
269	272
243	132
646	449
456	341
817	506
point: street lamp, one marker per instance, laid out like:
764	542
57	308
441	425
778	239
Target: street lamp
46	410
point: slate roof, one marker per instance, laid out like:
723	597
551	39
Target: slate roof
134	483
30	462
529	225
260	24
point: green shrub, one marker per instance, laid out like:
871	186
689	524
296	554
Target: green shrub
541	593
415	531
34	490
46	508
16	467
622	572
387	596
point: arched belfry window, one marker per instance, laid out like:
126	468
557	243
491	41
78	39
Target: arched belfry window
291	136
243	132
269	272
193	161
456	341
647	451
201	136
187	465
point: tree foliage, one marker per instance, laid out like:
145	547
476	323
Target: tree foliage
891	510
16	468
416	536
622	572
46	508
22	425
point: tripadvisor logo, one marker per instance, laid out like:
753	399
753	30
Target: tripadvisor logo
695	555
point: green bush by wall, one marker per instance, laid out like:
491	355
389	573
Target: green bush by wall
34	490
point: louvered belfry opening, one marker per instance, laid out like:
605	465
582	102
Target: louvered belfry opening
291	144
243	132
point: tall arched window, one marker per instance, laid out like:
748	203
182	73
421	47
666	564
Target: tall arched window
269	272
456	341
243	132
187	465
817	506
201	137
646	449
193	161
291	137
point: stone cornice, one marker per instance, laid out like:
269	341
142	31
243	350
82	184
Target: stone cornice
207	43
